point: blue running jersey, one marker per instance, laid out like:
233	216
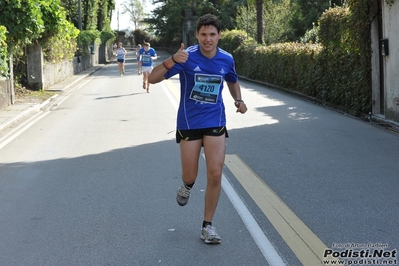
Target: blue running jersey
201	85
146	56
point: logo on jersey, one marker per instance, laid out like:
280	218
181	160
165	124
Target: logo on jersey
222	71
197	69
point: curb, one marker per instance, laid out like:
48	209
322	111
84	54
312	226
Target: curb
33	109
37	107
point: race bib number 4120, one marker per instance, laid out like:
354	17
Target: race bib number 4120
206	88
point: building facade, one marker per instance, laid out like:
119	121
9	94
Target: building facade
384	28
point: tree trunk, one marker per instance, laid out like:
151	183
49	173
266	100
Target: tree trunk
259	21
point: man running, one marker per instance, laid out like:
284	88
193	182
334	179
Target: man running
147	55
201	120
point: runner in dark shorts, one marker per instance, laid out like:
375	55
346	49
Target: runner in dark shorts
195	134
203	70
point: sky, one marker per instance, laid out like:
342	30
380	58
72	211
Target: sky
124	22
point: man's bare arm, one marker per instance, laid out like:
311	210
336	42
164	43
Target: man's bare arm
158	73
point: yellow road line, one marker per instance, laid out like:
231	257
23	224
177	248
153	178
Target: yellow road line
307	247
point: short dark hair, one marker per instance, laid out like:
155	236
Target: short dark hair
208	20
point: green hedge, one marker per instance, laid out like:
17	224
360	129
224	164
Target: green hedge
337	71
107	36
345	63
3	52
231	40
61	46
87	38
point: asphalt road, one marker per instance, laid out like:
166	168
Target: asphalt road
92	178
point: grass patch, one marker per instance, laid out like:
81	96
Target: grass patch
23	94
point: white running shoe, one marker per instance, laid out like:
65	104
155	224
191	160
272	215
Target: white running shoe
182	196
209	235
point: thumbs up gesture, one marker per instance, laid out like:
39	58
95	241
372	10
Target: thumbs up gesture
180	56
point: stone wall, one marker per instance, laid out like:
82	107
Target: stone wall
54	73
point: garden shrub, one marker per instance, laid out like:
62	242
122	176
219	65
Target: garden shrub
3	52
61	46
87	38
233	39
336	70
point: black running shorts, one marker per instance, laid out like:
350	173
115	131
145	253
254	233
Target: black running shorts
195	134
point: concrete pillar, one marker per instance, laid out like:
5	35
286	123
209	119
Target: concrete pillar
35	67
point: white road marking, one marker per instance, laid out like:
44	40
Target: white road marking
263	243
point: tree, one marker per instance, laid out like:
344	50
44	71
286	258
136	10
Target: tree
135	9
259	21
71	9
89	17
306	13
104	14
168	18
276	16
140	36
23	20
53	16
31	21
96	14
167	21
96	19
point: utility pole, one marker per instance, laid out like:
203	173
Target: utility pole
117	17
